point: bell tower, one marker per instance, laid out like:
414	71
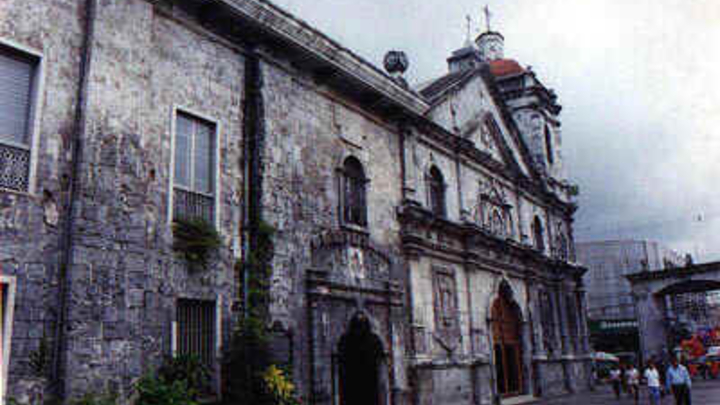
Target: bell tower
490	43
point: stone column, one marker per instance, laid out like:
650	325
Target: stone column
562	324
582	315
651	323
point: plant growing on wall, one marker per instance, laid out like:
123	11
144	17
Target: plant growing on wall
278	384
39	359
195	240
248	357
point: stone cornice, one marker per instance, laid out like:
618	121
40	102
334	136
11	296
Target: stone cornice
272	24
475	246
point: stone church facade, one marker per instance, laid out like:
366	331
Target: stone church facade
423	251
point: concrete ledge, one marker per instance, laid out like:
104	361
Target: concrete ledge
523	399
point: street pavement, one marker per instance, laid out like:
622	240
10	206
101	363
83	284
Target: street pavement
703	393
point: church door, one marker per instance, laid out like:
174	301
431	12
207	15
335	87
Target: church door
507	345
359	358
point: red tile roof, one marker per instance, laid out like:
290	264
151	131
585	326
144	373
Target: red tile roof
505	67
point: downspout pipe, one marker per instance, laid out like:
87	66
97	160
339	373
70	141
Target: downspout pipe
66	238
253	142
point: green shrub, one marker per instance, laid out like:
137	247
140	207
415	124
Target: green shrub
155	390
187	368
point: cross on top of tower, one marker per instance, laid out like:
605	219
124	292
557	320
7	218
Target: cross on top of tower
487	17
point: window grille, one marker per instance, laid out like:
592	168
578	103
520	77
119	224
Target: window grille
196	329
194	182
16	88
189	205
14	168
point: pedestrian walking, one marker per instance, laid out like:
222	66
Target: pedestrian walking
633	382
623	377
615	381
652	375
679	382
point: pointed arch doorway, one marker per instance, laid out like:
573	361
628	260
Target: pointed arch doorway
507	344
359	365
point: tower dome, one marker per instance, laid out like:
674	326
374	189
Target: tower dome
491	45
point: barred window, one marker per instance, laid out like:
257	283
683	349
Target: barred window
196	329
436	191
17	81
194	182
354	193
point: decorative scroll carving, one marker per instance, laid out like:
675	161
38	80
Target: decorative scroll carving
447	325
561	248
351	255
492	212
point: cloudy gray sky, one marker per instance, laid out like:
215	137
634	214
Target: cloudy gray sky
639	82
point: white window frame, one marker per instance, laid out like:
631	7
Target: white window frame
171	175
34	121
8	315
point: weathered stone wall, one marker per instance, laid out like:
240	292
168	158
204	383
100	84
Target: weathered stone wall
125	277
552	378
30	222
309	133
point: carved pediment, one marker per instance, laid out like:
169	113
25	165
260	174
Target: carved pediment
349	255
492	212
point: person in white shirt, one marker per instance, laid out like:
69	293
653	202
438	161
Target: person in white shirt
633	381
653	382
615	381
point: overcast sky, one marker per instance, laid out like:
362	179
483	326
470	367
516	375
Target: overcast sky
639	82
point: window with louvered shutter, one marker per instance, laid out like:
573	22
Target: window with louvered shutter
17	74
194	179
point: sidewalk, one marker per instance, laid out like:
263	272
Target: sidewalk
703	393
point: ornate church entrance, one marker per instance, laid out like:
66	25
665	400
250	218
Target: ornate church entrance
359	358
507	344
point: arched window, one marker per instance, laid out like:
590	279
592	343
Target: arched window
549	145
436	192
353	193
538	234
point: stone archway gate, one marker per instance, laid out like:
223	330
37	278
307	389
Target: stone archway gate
650	290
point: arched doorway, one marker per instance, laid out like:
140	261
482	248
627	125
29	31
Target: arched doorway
507	344
359	364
